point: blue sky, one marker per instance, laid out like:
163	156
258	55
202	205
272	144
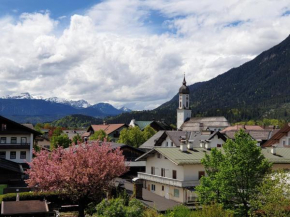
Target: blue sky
57	8
130	52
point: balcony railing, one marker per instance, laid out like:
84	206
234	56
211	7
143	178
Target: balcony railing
14	145
168	181
7	143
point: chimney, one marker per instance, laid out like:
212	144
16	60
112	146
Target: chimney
201	143
104	122
273	149
190	145
183	147
207	145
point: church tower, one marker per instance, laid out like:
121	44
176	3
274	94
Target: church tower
183	111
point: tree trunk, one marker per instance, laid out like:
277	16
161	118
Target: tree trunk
81	209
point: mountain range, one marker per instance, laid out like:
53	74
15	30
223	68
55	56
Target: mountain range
255	90
27	108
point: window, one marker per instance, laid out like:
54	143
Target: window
152	187
201	174
176	193
284	142
23	155
12	154
162	187
158	155
3	140
179	104
153	170
163	172
187	104
288	141
171	143
167	144
3	127
3	154
174	174
219	145
13	140
23	140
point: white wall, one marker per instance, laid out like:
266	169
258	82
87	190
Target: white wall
215	141
167	143
182	115
29	140
159	163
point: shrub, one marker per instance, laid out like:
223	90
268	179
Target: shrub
49	196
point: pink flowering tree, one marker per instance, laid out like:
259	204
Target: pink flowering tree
84	172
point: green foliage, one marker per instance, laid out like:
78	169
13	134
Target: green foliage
272	197
77	121
263	122
50	196
57	131
38	127
212	210
116	208
99	135
61	140
133	136
77	138
233	176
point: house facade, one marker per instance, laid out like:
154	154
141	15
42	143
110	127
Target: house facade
174	173
16	141
112	130
280	139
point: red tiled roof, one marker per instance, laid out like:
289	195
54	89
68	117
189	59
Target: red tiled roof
245	127
108	128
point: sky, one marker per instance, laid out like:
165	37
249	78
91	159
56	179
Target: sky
130	53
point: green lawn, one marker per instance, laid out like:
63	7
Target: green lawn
2	188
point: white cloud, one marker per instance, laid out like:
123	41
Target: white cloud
111	52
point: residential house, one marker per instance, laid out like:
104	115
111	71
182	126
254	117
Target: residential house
16	146
156	125
280	138
112	130
173	172
173	138
258	133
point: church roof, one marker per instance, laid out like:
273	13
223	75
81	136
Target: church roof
202	123
184	89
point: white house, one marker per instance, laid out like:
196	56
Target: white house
174	173
16	141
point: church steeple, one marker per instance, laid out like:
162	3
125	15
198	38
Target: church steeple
183	111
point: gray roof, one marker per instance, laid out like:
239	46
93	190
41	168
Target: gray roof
202	123
194	156
72	133
255	134
149	144
175	137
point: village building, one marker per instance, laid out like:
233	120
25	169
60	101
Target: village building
186	123
112	130
280	139
258	133
16	147
156	125
173	172
173	138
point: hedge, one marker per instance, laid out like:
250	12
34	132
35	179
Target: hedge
49	196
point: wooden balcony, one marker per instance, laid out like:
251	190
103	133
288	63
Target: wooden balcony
14	145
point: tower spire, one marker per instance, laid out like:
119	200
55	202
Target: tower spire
184	81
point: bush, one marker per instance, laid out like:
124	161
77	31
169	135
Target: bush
113	208
49	196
